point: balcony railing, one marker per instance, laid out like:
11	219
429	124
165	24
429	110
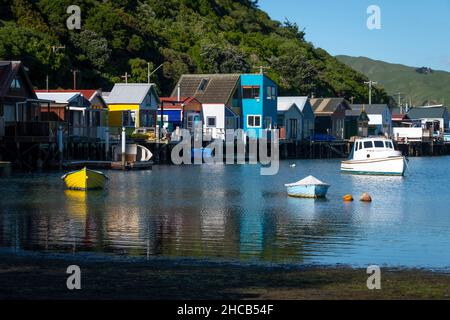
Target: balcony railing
93	133
42	129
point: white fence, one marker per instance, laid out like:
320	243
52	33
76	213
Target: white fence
411	134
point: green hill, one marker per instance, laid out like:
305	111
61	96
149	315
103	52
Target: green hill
186	36
418	84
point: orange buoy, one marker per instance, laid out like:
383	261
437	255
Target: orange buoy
348	198
366	197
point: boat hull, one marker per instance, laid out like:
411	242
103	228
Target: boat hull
84	180
394	166
311	192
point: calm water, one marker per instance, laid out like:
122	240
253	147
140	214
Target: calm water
233	213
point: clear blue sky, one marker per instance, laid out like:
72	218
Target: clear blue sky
414	33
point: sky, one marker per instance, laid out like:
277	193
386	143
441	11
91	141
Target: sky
413	33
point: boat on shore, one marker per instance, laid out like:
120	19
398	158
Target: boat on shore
85	179
309	187
375	156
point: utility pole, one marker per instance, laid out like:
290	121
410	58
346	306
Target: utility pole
261	69
75	72
151	73
352	100
126	76
370	83
53	50
400	94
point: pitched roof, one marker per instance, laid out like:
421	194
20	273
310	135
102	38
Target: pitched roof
219	88
371	109
328	105
58	97
300	102
87	94
129	93
174	103
283	106
427	112
8	71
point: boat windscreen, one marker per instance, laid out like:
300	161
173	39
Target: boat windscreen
379	144
368	144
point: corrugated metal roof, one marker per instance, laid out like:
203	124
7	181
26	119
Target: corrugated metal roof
286	105
427	112
328	105
58	97
131	93
300	102
370	108
219	88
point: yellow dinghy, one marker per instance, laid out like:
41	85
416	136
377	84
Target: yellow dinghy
85	179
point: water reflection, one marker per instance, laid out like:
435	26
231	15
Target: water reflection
232	212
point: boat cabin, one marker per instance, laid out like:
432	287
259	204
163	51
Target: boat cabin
373	148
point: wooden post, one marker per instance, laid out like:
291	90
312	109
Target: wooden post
124	147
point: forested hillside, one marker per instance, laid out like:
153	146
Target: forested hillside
187	36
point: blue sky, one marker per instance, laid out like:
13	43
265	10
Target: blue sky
414	33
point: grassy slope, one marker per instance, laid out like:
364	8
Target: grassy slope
399	78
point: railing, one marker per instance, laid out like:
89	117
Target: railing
2	127
41	129
98	133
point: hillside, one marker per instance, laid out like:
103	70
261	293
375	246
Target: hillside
187	36
420	84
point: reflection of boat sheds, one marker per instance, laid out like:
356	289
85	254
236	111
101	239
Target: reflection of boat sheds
374	156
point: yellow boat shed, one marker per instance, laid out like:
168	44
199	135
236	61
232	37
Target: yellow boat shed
133	105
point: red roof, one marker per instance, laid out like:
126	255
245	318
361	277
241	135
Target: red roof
175	100
174	103
399	117
88	94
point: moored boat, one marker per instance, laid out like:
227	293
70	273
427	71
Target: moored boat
309	187
375	156
85	179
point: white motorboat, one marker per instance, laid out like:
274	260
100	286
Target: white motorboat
375	156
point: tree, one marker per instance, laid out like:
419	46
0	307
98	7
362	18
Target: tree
139	70
93	47
297	75
223	60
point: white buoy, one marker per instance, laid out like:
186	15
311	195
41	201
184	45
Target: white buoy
293	165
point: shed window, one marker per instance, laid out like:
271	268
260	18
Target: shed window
251	92
15	84
368	145
254	121
379	144
271	93
211	122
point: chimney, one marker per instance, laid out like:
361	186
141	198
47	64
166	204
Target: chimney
179	92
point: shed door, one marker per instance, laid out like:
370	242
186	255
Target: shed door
293	124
